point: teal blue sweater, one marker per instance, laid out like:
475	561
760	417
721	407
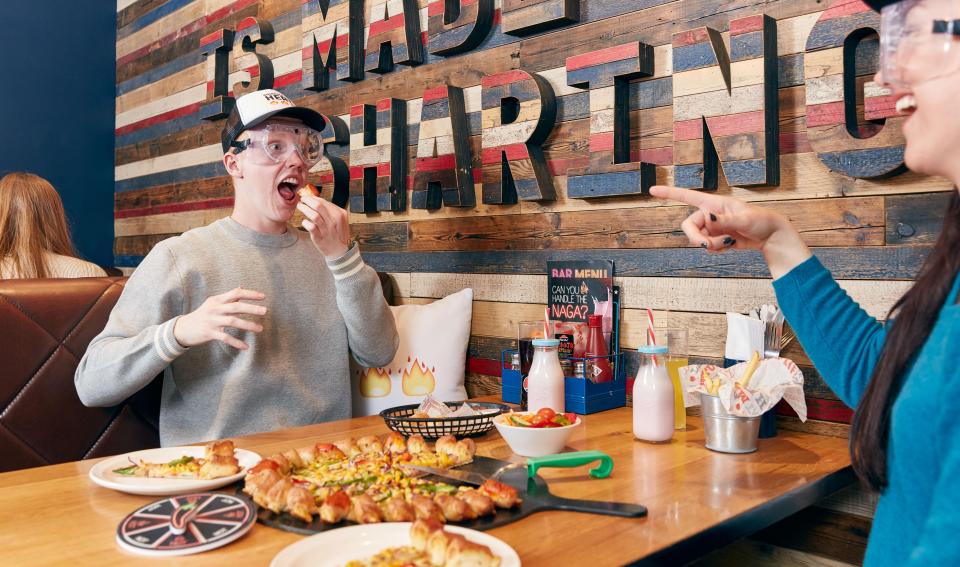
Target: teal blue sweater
918	517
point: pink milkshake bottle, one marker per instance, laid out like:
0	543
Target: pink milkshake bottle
653	403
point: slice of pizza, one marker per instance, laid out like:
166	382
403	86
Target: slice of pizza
219	461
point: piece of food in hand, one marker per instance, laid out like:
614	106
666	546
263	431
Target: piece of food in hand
397	509
300	503
335	508
308	190
503	495
426	509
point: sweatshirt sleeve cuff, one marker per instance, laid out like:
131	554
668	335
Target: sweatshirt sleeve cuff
346	265
166	343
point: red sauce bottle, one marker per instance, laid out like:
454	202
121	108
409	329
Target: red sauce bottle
598	369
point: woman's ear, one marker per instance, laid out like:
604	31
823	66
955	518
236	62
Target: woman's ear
232	164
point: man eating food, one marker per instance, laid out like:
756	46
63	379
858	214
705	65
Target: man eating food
250	321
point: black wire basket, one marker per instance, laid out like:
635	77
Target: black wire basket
399	419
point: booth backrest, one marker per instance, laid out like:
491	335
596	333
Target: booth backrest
45	327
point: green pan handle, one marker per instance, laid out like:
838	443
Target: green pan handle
574	459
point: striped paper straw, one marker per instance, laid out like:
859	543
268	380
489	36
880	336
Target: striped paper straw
651	337
546	322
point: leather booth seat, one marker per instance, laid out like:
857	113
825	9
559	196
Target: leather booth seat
45	327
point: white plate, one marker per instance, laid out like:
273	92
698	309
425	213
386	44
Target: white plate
102	472
335	548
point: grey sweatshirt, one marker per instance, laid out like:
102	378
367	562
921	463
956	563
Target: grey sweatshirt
296	371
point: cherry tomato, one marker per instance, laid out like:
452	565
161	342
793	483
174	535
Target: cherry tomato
572	417
546	413
539	421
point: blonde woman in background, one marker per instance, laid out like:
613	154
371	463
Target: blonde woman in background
34	238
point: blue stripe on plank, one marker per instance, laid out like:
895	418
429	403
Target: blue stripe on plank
605	184
311	8
689	176
831	33
694	56
192	173
745	172
865	164
856	262
280	23
746	46
151	16
180	123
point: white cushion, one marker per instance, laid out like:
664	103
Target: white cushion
431	358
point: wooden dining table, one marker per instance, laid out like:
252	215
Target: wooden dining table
697	499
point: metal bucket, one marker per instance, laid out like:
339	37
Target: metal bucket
727	433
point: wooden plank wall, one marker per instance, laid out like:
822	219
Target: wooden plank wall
873	234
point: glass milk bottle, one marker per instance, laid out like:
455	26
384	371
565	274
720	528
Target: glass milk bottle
545	386
653	402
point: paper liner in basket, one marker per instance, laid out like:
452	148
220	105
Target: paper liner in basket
775	379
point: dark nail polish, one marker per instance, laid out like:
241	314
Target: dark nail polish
713	217
729	241
703	245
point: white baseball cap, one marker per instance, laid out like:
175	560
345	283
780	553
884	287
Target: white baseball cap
254	108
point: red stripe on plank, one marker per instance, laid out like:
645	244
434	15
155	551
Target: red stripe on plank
356	172
483	366
384	104
435	8
601	142
656	156
163	117
600	56
877	107
209	38
383	170
843	8
688	130
562	166
746	25
185	31
490	81
324	46
827	114
435	93
514	151
356	110
438	163
690	37
245	23
175	208
736	123
423	38
326	178
383	26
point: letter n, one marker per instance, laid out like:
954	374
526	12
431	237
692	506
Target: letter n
725	105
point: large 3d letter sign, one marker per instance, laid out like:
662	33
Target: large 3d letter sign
521	17
444	170
831	88
457	26
394	36
378	156
725	106
519	110
607	73
332	42
216	48
333	170
250	33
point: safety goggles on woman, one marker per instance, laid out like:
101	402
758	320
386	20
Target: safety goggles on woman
274	143
919	41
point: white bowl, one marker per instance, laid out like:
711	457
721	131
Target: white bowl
535	441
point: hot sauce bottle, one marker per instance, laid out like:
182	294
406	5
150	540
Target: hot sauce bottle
599	368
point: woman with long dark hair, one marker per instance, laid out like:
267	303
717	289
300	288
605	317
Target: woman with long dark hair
903	378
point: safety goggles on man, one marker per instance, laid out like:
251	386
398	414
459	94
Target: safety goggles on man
274	143
919	41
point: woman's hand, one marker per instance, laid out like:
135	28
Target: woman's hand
207	322
722	223
328	225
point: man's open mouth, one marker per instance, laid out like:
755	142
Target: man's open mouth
288	188
906	104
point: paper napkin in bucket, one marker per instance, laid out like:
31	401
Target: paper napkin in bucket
744	336
774	379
